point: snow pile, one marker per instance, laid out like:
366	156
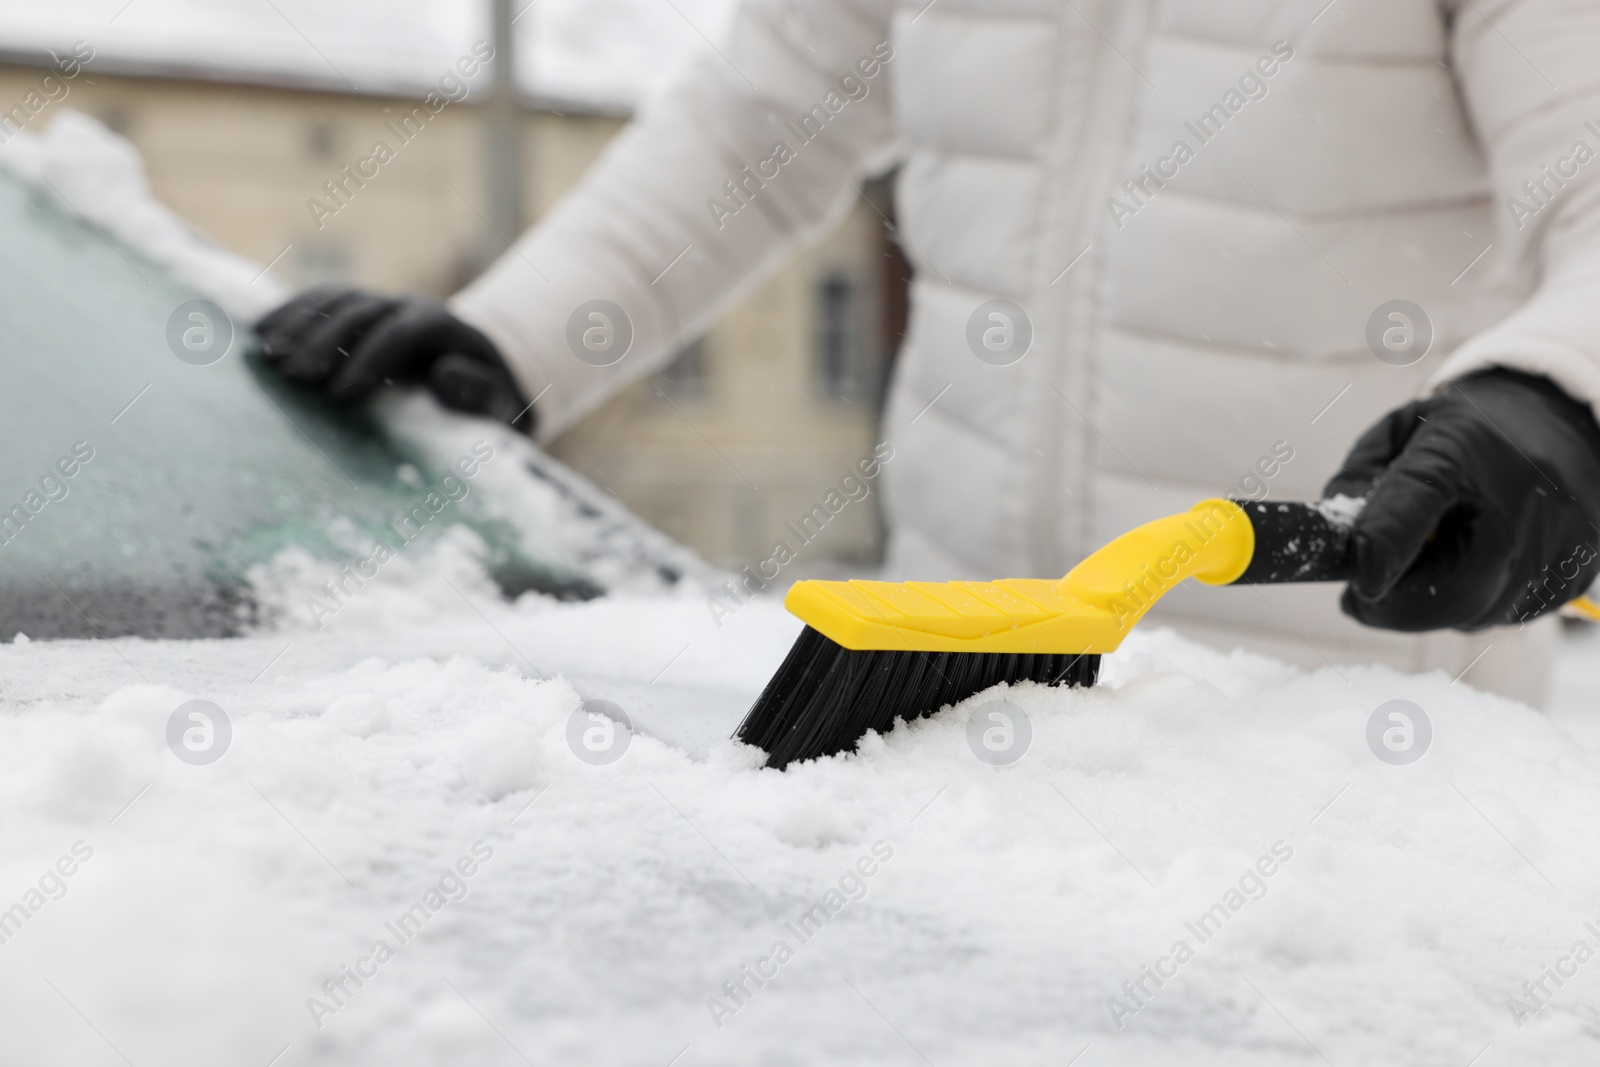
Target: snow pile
100	176
910	899
615	53
597	53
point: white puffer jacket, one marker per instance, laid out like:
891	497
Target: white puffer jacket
1197	207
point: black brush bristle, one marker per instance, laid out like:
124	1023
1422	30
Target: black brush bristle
826	697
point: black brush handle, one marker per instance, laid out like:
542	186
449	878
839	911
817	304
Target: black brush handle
1296	542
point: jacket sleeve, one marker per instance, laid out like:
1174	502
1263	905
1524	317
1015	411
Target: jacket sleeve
753	152
1529	75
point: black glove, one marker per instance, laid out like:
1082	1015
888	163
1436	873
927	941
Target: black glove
346	343
1483	506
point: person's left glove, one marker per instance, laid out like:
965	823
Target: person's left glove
346	343
1482	506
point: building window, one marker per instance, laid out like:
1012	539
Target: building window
685	377
321	140
848	365
118	119
323	262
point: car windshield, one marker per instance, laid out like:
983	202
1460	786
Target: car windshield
152	472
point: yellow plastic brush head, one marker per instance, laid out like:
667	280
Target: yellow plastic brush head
874	653
1089	611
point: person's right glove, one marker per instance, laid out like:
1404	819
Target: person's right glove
345	343
1482	506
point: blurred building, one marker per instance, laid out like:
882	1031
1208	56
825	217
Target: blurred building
750	427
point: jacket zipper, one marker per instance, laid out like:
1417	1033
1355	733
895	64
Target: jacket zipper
1087	165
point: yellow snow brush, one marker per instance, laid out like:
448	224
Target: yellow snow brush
875	652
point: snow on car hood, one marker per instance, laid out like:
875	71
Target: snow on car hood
925	901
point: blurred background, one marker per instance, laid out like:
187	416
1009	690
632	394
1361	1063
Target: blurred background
249	112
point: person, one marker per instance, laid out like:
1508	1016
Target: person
1161	251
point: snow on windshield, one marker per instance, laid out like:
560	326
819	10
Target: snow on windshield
153	494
